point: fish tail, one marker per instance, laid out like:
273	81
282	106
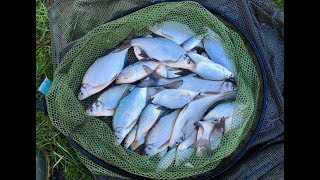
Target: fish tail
173	85
183	72
203	143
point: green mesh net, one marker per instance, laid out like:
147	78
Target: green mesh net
96	136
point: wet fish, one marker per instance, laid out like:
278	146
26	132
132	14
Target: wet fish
217	53
102	73
161	49
147	119
167	160
204	140
183	150
108	101
184	62
173	30
192	42
213	71
173	98
135	71
194	112
224	109
227	110
127	112
191	82
130	137
216	137
159	136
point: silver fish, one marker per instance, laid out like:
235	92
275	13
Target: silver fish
108	101
197	58
204	140
125	116
227	110
147	119
184	62
102	73
214	48
159	136
192	42
161	49
173	98
166	160
224	109
194	112
135	71
213	71
130	137
193	82
183	150
138	53
232	123
216	137
173	30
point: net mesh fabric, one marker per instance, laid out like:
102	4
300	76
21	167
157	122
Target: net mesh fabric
96	135
260	20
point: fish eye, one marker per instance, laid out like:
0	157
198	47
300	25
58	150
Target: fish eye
90	110
81	93
177	142
147	154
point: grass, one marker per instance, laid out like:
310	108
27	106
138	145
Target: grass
47	136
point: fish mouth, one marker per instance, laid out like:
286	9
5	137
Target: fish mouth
232	79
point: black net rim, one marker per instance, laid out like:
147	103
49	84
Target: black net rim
249	140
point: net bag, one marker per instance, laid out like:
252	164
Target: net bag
95	135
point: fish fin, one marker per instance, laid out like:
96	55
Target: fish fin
134	145
210	92
202	143
156	35
183	72
199	77
144	55
199	96
147	69
161	108
132	124
223	124
198	124
166	112
150	100
164	144
147	83
173	85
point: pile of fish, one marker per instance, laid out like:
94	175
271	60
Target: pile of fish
178	98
